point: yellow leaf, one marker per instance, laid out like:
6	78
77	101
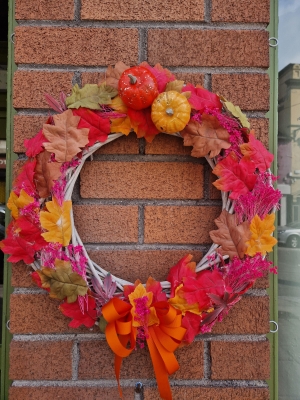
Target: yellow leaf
118	105
140	292
24	199
12	204
121	125
181	304
261	240
63	282
57	222
236	112
175	85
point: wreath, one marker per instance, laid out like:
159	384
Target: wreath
42	233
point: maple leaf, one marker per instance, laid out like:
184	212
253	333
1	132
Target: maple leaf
35	145
231	237
261	240
121	125
179	302
191	322
207	138
45	173
155	287
57	222
255	151
12	204
197	290
113	74
118	105
66	140
63	282
86	317
201	98
24	179
98	126
37	280
237	112
128	289
91	96
175	85
142	123
237	177
31	232
162	75
185	267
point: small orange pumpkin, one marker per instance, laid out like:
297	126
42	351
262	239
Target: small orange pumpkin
170	112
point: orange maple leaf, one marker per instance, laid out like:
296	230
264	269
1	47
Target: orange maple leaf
112	74
261	240
207	138
65	140
16	202
45	173
230	236
57	221
140	292
181	303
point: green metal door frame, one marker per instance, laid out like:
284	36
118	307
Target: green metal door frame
10	157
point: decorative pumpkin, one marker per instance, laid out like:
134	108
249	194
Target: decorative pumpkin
138	87
171	112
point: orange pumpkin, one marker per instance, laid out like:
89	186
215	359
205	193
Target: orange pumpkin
170	112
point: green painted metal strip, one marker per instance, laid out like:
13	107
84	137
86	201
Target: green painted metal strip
273	133
10	157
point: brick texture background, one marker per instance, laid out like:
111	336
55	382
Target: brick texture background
139	207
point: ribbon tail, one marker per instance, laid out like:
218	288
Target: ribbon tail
160	371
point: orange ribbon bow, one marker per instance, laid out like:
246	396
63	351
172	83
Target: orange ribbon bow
163	339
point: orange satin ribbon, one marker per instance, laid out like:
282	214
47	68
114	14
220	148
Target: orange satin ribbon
163	339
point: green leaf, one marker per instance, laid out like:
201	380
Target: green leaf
102	324
63	282
91	96
236	112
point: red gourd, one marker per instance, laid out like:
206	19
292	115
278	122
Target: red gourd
138	88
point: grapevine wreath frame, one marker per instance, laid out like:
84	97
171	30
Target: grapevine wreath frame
42	231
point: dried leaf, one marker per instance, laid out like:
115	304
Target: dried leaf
66	140
237	177
57	221
261	240
184	267
231	237
237	112
207	138
63	282
255	151
45	173
86	317
175	85
113	74
91	96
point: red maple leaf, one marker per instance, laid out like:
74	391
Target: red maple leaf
198	290
201	98
155	287
31	232
162	75
255	151
191	322
37	279
98	126
86	317
35	146
25	179
183	268
237	177
142	123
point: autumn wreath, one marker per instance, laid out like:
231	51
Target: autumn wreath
42	233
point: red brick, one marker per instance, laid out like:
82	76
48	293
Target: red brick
21	275
107	224
92	77
41	360
214	193
123	145
167	144
224	48
240	360
141	180
189	77
249	316
30	87
248	91
45	9
37	313
26	127
205	393
179	224
134	264
261	127
138	364
75	46
71	393
127	10
241	11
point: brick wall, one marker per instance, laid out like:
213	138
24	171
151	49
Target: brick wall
139	206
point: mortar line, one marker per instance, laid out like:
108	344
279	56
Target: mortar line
75	360
132	246
208	81
76	78
207	11
191	25
206	360
206	184
141	227
77	11
142	147
138	158
143	45
148	202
